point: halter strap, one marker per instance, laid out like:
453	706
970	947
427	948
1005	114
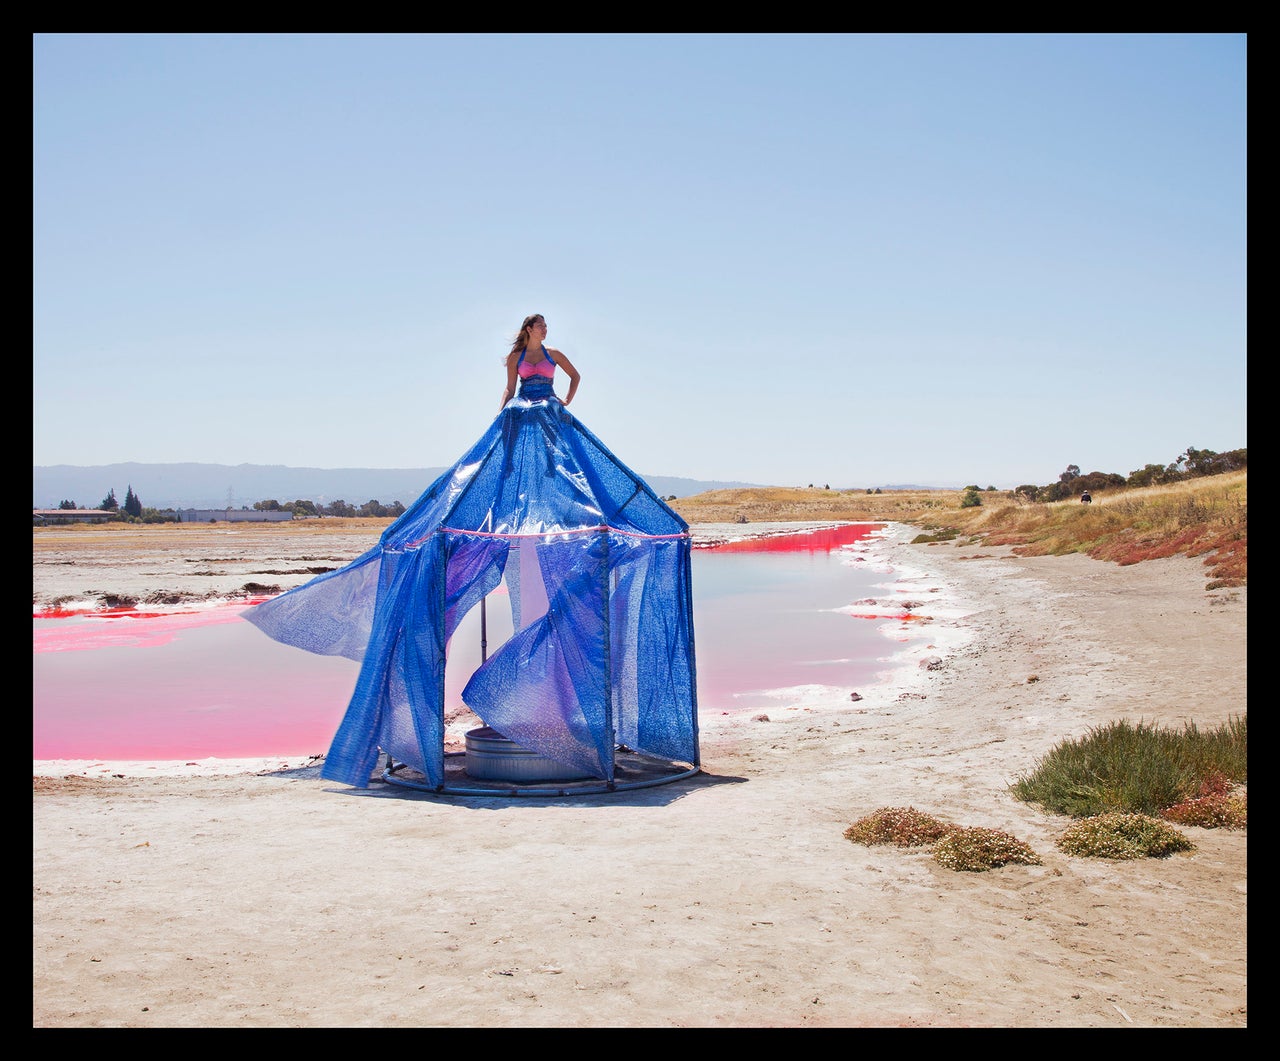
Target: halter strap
545	356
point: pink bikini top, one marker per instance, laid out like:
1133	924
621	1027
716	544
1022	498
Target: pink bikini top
546	368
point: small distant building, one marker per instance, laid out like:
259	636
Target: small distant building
41	517
233	515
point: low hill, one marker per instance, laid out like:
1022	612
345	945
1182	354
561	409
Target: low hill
242	485
764	504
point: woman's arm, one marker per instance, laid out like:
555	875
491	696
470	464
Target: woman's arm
573	374
512	361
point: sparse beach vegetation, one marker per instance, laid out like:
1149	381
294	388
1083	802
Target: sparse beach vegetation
972	849
901	826
1122	767
1123	836
1126	785
958	847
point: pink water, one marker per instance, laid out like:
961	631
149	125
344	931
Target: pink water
180	686
205	683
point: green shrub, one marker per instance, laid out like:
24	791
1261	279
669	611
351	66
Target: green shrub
1123	836
945	535
1122	767
976	850
903	826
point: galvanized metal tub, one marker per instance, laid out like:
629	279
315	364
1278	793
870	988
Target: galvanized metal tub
491	756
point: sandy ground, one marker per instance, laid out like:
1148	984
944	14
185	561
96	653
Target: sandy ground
273	898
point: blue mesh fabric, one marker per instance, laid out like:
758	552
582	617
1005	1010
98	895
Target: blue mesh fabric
651	646
546	689
598	571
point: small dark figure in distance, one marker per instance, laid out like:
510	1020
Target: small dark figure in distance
1085	499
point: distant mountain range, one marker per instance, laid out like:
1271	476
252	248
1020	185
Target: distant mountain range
241	485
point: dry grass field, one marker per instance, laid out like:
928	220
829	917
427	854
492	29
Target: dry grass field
1206	517
792	504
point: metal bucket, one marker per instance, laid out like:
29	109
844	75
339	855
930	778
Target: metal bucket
491	756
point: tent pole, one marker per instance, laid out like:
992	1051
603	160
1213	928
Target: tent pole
606	579
484	633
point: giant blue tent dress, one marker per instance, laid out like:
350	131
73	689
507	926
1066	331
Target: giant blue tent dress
597	570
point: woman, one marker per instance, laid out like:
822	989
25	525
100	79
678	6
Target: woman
536	368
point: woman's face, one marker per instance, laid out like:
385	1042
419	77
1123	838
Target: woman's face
538	328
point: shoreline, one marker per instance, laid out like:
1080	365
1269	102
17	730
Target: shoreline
901	668
728	899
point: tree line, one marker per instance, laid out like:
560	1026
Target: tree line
1193	463
134	511
303	508
1190	464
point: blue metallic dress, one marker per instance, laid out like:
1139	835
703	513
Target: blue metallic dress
597	569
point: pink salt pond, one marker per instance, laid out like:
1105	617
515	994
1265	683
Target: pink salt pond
774	622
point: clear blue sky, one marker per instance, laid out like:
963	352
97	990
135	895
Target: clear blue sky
853	260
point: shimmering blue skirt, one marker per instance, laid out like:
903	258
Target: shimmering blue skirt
597	573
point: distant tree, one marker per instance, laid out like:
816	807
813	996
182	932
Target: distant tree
970	498
131	503
1027	490
1157	474
303	508
877	489
1236	459
1148	475
1097	481
868	489
339	508
160	515
1072	471
109	502
990	489
972	489
68	505
1198	462
267	506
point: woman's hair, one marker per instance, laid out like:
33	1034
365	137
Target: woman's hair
522	339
